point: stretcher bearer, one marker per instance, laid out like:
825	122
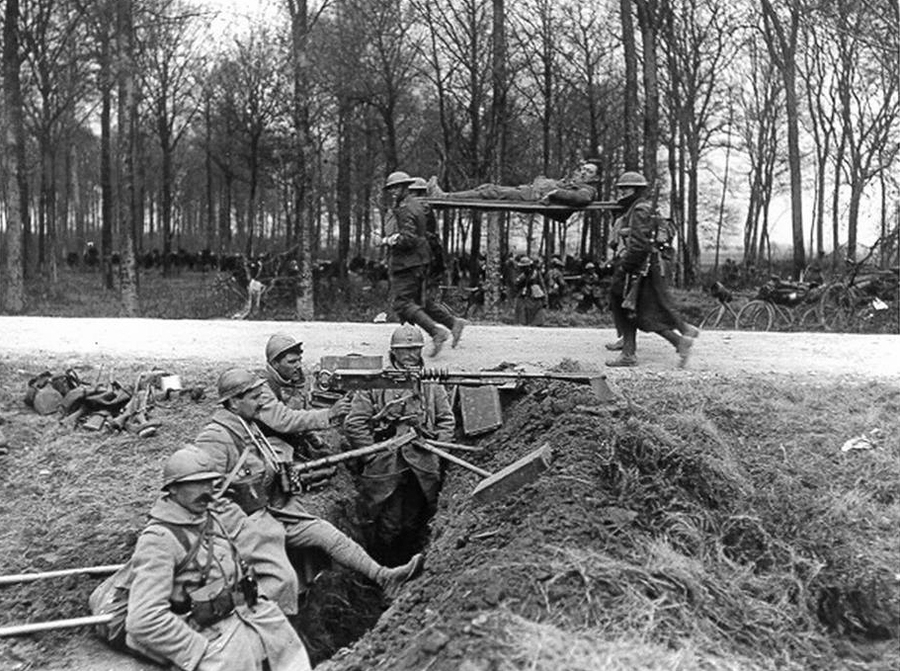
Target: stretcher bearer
639	297
409	259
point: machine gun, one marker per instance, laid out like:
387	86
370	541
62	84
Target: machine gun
345	380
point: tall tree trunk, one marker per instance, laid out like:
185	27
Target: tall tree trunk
783	50
630	115
106	186
303	201
343	186
647	18
498	123
126	148
16	177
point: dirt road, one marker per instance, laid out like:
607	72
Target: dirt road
225	342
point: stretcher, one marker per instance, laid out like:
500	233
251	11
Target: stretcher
558	212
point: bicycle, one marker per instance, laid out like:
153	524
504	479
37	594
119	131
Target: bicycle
775	305
723	315
856	302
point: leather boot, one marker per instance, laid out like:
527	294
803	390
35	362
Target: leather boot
392	579
439	333
458	326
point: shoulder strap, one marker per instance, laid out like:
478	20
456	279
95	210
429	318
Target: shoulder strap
181	535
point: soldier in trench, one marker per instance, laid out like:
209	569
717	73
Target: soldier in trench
255	477
400	487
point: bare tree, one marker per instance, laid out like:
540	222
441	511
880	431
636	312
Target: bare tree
126	151
53	35
15	173
170	61
868	80
781	34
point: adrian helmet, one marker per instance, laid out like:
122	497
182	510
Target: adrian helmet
279	344
418	184
524	262
631	178
397	178
236	381
189	464
407	335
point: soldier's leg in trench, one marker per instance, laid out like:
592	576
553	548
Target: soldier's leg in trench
317	533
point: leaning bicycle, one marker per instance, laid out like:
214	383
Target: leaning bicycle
780	304
723	315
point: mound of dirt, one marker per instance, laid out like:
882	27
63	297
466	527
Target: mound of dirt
651	527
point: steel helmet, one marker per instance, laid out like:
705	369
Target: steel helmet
236	381
189	464
524	262
279	344
397	178
589	265
418	184
631	178
407	335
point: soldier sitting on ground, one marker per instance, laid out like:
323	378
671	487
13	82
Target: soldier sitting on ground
257	480
400	488
193	600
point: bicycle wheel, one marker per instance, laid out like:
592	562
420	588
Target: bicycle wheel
713	318
810	320
755	316
837	307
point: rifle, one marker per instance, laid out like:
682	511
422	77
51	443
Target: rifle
345	380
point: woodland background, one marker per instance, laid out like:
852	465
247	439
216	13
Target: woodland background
131	126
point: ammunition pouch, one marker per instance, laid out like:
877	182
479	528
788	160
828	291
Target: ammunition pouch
249	493
208	612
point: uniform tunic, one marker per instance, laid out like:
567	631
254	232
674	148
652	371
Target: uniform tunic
240	641
384	473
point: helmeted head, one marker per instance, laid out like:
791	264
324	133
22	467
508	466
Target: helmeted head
239	391
189	476
188	464
630	185
524	262
589	266
285	354
407	342
397	180
418	187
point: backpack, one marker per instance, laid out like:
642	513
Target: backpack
111	596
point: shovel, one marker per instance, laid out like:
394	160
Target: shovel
495	486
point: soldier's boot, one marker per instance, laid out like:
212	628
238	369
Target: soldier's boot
392	579
616	346
351	554
682	343
690	330
458	326
439	333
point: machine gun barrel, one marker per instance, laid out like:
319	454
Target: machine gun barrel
348	380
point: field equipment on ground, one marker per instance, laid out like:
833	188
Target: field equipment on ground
495	486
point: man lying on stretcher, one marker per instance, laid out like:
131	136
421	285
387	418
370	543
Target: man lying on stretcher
575	191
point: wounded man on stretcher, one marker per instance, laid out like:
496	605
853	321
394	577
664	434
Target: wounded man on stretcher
578	190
